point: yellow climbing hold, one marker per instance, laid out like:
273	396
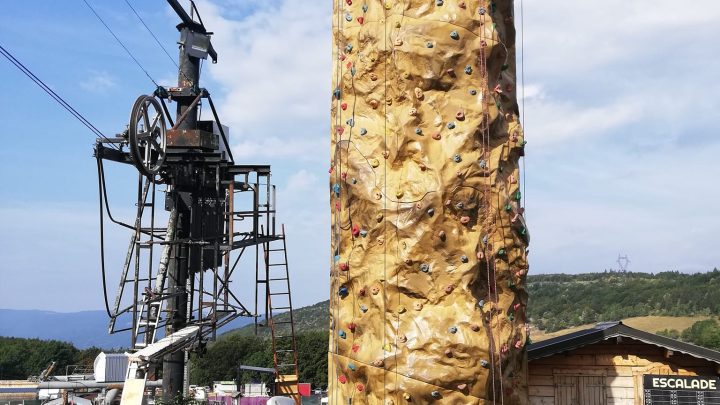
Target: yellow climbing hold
374	162
399	194
406	396
401	310
387	347
388	5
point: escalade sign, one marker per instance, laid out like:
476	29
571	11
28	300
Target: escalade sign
675	389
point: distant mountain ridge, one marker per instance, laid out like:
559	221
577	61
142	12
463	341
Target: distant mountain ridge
82	329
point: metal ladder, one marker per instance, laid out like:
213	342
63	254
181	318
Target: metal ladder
279	300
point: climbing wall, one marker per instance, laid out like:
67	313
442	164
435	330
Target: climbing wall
428	238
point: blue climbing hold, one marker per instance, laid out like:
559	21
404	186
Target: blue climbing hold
485	240
352	71
337	258
336	93
350	122
363	131
418	131
363	233
435	394
464	259
348	48
343	291
454	35
425	267
481	303
342	334
482	11
457	158
365	8
482	164
352	367
348	17
336	189
451	125
468	69
452	329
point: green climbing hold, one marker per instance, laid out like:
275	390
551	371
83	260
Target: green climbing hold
517	196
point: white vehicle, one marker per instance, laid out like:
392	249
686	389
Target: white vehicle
281	401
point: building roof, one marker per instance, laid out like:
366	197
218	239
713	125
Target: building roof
609	330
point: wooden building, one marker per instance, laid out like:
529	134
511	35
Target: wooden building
615	364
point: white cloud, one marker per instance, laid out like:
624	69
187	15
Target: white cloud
98	81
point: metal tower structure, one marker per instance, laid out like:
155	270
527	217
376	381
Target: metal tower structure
176	279
623	262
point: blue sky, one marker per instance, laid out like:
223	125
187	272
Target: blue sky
621	112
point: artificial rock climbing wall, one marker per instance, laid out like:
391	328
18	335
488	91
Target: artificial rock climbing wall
428	238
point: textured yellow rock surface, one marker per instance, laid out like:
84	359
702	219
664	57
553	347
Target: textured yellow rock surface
428	239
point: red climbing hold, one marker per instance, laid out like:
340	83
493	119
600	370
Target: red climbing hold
337	206
475	328
516	306
344	266
356	230
340	129
448	353
498	89
343	106
351	326
342	56
355	348
461	5
360	387
342	379
362	292
343	175
464	220
348	65
518	344
449	289
361	20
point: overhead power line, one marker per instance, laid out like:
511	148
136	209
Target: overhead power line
121	43
9	56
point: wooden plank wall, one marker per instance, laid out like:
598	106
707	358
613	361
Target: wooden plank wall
622	364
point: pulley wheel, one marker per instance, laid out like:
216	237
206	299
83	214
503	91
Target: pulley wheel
147	135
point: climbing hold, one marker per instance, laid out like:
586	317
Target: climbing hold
363	131
431	211
436	136
355	348
342	379
343	292
501	252
343	175
454	35
336	92
356	230
406	396
408	262
402	338
457	158
435	394
361	20
448	290
387	347
464	220
388	5
351	326
373	76
362	291
439	2
450	72
473	92
507	207
349	2
364	8
475	328
442	235
352	366
480	255
401	310
363	233
482	11
375	290
518	344
460	115
418	306
517	196
468	70
343	106
418	131
350	122
337	258
419	93
342	334
380	240
348	48
344	267
413	112
504	349
482	164
340	130
379	217
363	308
451	125
373	104
425	267
461	386
429	44
459	205
386	154
452	329
374	162
336	189
464	259
348	17
484	363
511	317
360	387
481	303
517	306
398	42
422	166
399	194
485	239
